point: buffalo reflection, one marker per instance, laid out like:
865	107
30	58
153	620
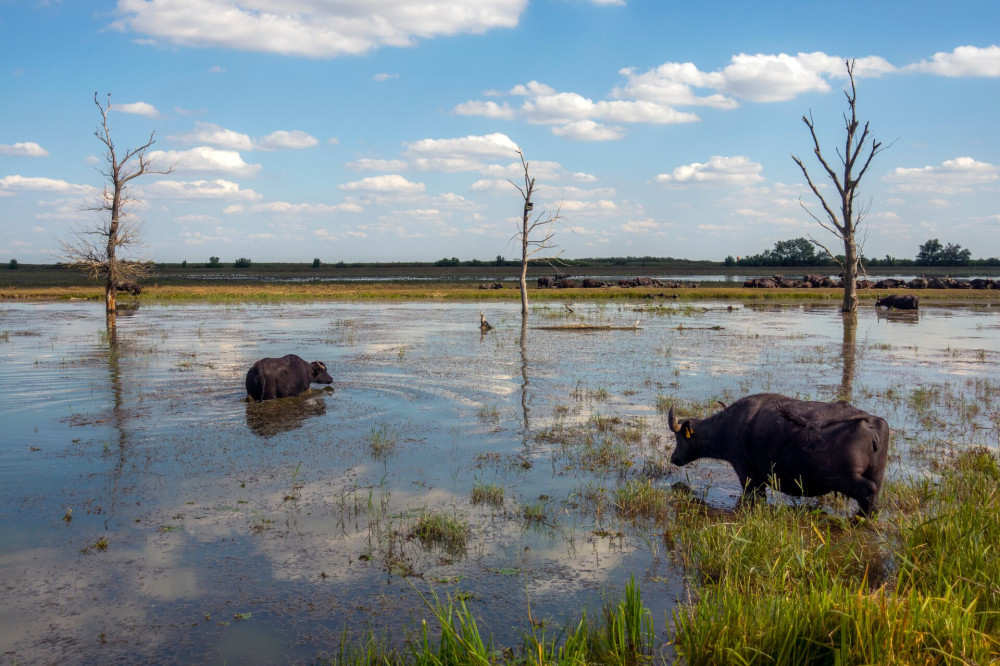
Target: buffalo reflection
898	316
273	417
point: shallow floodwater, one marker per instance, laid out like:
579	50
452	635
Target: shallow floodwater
150	513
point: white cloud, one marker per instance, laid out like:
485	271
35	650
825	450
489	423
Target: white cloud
215	135
962	174
730	171
646	226
196	219
137	108
29	184
389	184
311	29
577	117
197	189
295	139
218	136
379	78
963	61
366	164
24	149
204	158
487	109
285	208
588	130
490	145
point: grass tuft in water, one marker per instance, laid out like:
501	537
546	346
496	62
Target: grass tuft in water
489	494
436	528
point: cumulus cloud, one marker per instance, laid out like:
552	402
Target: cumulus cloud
280	139
310	29
963	61
588	130
486	109
220	137
214	135
17	183
24	149
205	158
286	208
962	174
137	108
646	226
490	145
389	184
197	189
656	96
366	164
729	171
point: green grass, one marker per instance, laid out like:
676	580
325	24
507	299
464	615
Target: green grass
443	530
780	584
490	494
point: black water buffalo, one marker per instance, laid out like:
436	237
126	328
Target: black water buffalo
898	302
801	448
545	282
282	377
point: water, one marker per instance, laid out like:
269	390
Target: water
241	533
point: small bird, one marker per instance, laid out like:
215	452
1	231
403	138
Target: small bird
569	307
483	324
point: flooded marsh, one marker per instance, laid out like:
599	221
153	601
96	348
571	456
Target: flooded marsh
150	513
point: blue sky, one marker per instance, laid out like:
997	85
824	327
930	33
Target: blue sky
360	130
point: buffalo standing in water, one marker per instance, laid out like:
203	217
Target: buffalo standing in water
898	302
282	377
801	448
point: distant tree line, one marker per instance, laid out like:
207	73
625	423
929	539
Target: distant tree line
802	252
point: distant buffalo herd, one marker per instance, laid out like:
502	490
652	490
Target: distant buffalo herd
563	281
816	281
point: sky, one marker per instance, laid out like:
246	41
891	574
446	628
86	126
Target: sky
388	130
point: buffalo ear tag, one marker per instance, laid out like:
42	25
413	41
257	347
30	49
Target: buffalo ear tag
688	431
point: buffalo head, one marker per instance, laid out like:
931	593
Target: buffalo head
319	373
685	451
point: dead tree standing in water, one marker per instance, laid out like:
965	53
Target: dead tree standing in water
844	223
96	249
529	230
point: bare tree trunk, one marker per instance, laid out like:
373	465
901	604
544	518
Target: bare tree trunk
524	257
850	276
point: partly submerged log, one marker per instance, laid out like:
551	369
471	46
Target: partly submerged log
588	327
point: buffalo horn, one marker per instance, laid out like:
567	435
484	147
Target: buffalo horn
724	405
672	420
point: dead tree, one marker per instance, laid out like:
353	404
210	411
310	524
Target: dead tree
855	160
529	230
97	249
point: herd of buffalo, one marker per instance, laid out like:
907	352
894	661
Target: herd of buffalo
816	281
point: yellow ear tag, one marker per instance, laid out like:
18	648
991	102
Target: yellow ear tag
688	432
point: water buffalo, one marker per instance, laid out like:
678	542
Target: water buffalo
898	302
283	377
545	282
801	448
